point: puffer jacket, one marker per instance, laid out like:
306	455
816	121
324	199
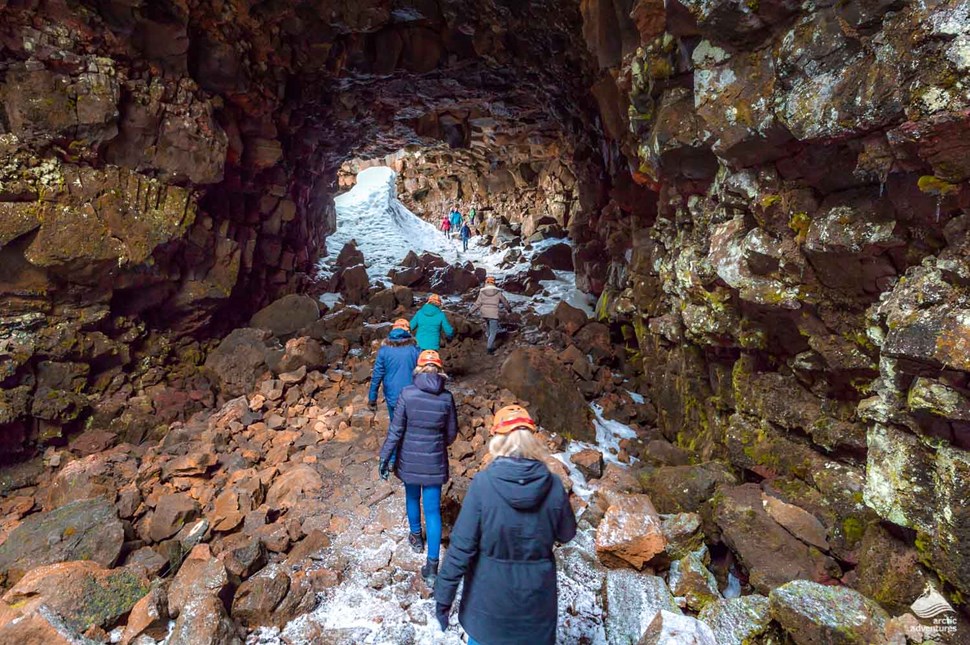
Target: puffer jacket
427	326
394	366
513	514
425	423
490	299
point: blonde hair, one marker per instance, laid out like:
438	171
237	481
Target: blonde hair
519	443
428	369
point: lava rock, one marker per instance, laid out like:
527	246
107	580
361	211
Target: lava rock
287	315
630	532
737	621
814	613
668	628
83	530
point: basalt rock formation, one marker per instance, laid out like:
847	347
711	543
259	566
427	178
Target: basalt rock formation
800	300
169	167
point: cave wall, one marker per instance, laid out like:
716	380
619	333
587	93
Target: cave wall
166	167
801	299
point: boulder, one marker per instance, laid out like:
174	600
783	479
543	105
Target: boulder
814	613
87	529
200	576
799	522
566	318
558	257
630	532
553	398
172	512
286	315
149	616
688	577
354	284
350	255
96	475
41	627
668	628
737	621
293	486
771	555
589	462
683	534
302	352
631	601
258	597
239	360
684	489
83	593
889	570
204	621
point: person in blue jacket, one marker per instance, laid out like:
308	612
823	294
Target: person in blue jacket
456	219
429	322
466	233
394	365
514	513
425	423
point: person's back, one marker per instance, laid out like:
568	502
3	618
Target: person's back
393	367
490	302
428	324
513	514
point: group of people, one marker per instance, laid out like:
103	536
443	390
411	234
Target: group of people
514	512
456	224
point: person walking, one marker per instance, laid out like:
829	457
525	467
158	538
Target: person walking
446	225
490	302
428	324
466	233
425	423
394	365
513	514
471	215
455	220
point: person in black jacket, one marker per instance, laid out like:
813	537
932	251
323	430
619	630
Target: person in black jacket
513	514
425	423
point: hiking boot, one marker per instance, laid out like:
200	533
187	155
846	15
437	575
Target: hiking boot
429	572
490	351
416	540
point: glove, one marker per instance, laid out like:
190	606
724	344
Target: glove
442	612
384	469
372	405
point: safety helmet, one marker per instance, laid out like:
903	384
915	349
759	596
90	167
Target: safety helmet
429	357
490	280
435	299
511	418
402	323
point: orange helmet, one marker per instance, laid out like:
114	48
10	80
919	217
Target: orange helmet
402	323
490	280
429	357
512	417
435	299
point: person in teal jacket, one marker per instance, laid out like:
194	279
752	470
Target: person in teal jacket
429	322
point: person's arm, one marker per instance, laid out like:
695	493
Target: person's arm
378	375
463	548
451	432
414	324
446	326
566	525
477	305
504	301
396	430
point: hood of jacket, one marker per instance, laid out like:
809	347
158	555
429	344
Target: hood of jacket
429	310
431	383
398	338
490	290
523	483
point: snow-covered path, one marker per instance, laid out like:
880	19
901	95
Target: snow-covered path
386	231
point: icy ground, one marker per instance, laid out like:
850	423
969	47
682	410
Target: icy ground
385	231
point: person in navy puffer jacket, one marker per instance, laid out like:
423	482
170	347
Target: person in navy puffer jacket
394	365
425	423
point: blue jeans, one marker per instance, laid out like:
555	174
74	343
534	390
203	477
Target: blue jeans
492	331
464	243
431	495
